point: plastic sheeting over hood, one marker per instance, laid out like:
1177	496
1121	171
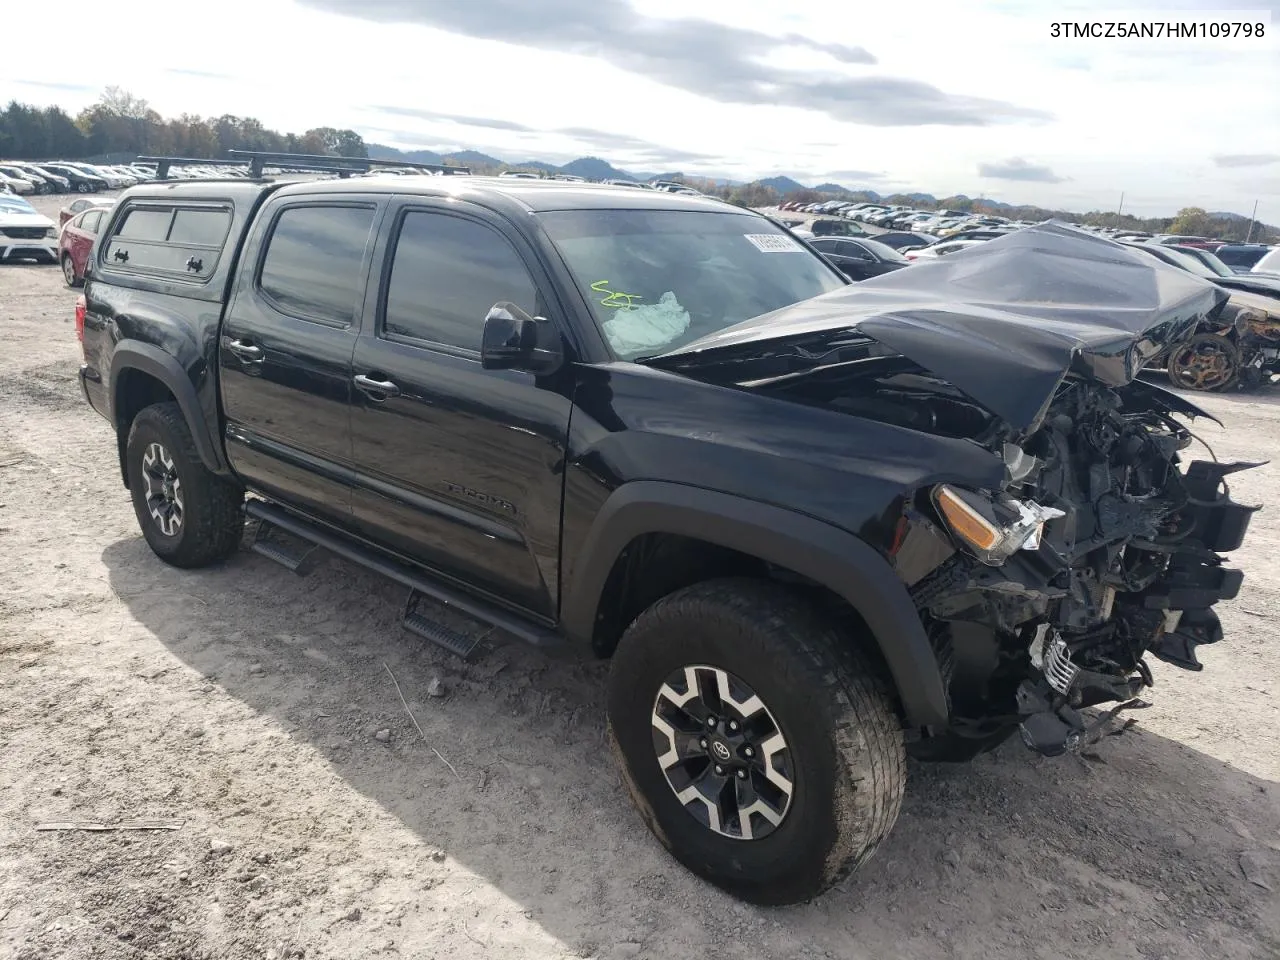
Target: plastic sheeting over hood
1004	321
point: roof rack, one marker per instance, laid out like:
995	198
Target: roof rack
257	160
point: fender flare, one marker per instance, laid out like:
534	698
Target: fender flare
151	360
813	548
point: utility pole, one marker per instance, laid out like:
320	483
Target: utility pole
1119	209
1252	220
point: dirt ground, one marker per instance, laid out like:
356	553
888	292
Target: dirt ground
249	705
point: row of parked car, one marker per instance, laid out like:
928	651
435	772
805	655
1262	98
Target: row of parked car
67	176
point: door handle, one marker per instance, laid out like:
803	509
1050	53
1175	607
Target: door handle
248	352
376	389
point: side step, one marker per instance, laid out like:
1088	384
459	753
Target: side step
418	582
281	552
416	622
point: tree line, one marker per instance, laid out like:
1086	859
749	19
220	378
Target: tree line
119	122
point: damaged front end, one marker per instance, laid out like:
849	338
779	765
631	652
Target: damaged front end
1043	593
1044	597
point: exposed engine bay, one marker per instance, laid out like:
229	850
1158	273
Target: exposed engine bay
1046	596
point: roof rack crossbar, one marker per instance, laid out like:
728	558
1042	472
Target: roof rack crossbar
341	165
258	160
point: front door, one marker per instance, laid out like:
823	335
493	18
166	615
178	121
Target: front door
459	469
285	351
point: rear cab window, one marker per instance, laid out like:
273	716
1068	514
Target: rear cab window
171	240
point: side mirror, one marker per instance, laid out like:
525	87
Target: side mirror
513	340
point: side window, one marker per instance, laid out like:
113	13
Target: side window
446	274
157	239
142	224
204	228
314	259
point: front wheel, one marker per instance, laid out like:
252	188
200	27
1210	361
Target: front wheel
760	746
190	516
84	187
1205	362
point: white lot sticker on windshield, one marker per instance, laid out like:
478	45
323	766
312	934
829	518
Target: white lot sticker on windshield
773	243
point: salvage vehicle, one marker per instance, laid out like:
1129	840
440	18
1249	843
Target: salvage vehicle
815	525
25	233
1237	346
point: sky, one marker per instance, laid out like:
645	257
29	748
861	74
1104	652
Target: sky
944	97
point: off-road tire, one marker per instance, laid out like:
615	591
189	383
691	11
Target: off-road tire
830	702
213	514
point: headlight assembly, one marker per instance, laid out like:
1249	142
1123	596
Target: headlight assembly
992	530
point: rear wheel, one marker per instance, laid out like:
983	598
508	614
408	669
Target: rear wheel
762	749
69	271
190	516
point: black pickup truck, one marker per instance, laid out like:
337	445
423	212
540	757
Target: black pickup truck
816	526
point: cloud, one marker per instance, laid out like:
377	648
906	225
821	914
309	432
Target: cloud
202	74
50	85
854	175
1018	169
1246	159
714	60
642	151
464	121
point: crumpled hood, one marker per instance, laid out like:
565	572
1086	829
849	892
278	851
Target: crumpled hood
1005	321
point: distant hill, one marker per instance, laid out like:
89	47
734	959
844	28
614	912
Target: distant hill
378	151
537	165
593	168
475	158
783	185
596	168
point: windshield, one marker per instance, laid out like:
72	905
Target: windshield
14	204
1211	261
1190	264
883	251
658	279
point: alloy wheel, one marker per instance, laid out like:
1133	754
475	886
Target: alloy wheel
163	489
69	270
1206	363
722	752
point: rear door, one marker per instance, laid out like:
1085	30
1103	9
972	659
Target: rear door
81	233
285	349
459	469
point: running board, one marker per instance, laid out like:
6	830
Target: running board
282	553
417	580
416	622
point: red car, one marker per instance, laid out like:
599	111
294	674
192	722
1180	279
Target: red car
79	206
76	241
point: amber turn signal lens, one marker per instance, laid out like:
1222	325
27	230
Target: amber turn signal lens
965	521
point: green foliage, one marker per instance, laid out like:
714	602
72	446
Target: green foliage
1193	221
123	123
753	195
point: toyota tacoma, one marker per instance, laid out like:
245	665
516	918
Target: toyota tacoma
816	527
